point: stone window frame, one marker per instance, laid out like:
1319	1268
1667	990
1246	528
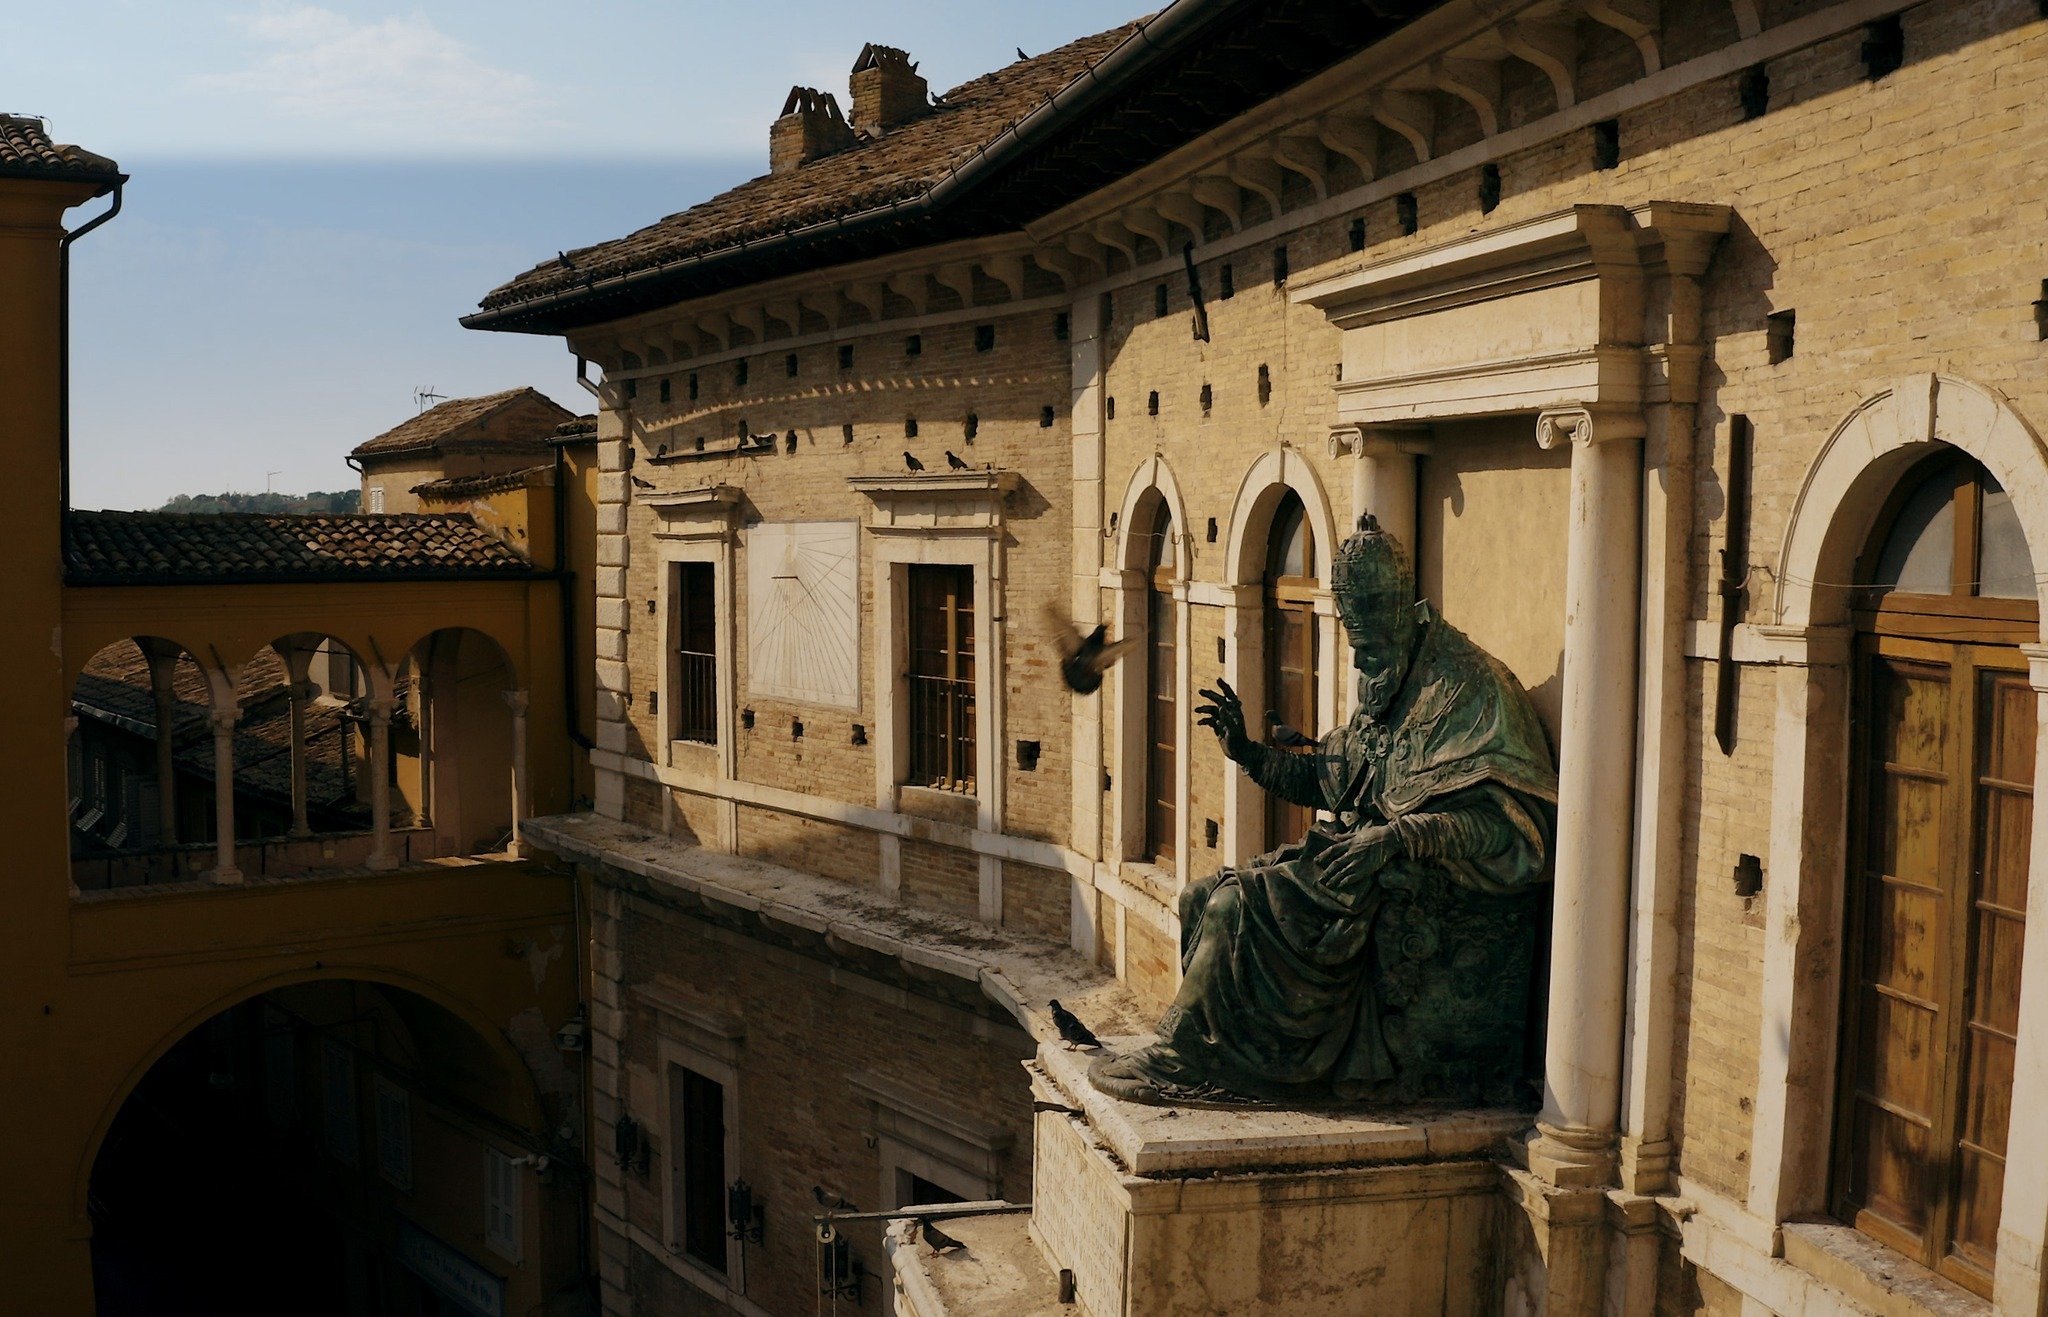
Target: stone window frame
1128	580
710	1043
945	520
938	1146
1240	594
699	526
1839	502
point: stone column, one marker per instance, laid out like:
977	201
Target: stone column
1383	474
160	674
299	692
224	870
516	701
379	767
71	751
1575	1139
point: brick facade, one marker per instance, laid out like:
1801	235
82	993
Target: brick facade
1898	216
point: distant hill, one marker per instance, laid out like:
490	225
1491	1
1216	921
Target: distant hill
340	500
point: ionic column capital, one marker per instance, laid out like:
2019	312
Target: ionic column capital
380	710
1366	439
1590	423
516	701
224	720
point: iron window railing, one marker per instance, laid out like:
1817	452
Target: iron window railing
942	733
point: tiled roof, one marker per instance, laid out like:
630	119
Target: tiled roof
114	687
440	424
899	164
26	151
580	430
144	547
455	487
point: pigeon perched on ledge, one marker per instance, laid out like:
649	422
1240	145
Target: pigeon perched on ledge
1072	1031
940	1241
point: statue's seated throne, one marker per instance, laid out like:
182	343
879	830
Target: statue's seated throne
1453	969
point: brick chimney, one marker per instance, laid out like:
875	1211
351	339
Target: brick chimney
887	91
811	127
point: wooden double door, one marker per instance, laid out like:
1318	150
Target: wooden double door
1943	819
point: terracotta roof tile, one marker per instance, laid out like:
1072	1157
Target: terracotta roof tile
139	547
902	163
439	424
114	687
26	151
457	487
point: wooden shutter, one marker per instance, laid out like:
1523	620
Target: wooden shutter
1937	906
503	1217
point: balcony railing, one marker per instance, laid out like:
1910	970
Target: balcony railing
696	697
942	733
256	857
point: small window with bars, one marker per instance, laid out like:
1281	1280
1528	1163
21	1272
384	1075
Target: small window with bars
694	614
941	677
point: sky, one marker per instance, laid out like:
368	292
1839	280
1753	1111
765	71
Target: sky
318	192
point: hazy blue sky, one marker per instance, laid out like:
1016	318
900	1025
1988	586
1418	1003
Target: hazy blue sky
318	191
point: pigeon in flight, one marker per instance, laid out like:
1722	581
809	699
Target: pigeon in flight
912	462
1085	656
940	1241
1286	737
953	460
1072	1031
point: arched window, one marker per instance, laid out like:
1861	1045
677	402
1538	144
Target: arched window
1290	589
1949	546
1162	679
1937	891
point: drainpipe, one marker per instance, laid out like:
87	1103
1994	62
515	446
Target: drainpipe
64	347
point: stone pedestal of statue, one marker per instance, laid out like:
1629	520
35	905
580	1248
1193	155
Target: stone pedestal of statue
1161	1210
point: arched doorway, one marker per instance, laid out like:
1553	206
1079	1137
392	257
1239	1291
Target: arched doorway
1291	648
456	736
335	1147
1941	821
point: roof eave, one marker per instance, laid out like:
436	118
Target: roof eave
1155	37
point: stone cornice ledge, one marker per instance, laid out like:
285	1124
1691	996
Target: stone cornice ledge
985	482
704	498
1017	973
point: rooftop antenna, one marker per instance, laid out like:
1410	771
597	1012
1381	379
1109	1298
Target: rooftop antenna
270	481
424	396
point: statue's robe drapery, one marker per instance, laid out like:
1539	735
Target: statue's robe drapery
1278	996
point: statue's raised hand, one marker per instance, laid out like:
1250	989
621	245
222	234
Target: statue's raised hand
1223	713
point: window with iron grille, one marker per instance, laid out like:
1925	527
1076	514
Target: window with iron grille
941	677
695	612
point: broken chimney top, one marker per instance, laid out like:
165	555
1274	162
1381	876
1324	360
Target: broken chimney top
887	90
811	127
